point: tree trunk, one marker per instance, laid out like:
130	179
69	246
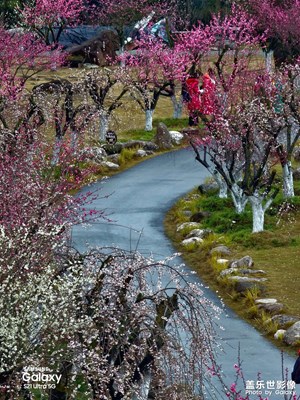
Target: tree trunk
288	182
144	387
149	120
222	185
258	213
223	191
122	48
74	139
103	126
239	199
177	106
269	60
56	150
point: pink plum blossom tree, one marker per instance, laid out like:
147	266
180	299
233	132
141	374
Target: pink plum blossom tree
102	88
240	146
22	55
48	18
62	112
227	45
151	72
281	22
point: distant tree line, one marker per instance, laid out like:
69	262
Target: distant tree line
195	10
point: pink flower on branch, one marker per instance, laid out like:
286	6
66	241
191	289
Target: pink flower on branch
37	208
226	44
281	21
21	56
48	18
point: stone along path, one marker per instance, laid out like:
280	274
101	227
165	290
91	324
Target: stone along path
138	200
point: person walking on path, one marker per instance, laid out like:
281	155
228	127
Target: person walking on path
193	101
296	370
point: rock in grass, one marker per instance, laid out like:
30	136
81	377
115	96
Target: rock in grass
244	262
292	334
96	154
176	137
141	153
150	146
266	301
271	308
201	233
187	242
208	187
228	271
220	250
109	165
186	225
114	158
279	335
162	137
252	271
222	261
282	319
200	216
243	283
270	305
247	279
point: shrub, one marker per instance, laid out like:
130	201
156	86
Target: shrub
126	155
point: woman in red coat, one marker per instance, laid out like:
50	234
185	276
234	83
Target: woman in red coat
208	93
193	100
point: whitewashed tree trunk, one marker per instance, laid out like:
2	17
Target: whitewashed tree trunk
149	120
239	199
258	213
103	126
269	60
177	106
56	150
288	182
222	185
258	210
223	191
122	49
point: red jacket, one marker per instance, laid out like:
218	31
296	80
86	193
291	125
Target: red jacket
194	103
208	96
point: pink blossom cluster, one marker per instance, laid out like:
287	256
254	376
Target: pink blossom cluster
21	56
48	13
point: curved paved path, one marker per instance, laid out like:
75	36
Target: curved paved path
139	198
